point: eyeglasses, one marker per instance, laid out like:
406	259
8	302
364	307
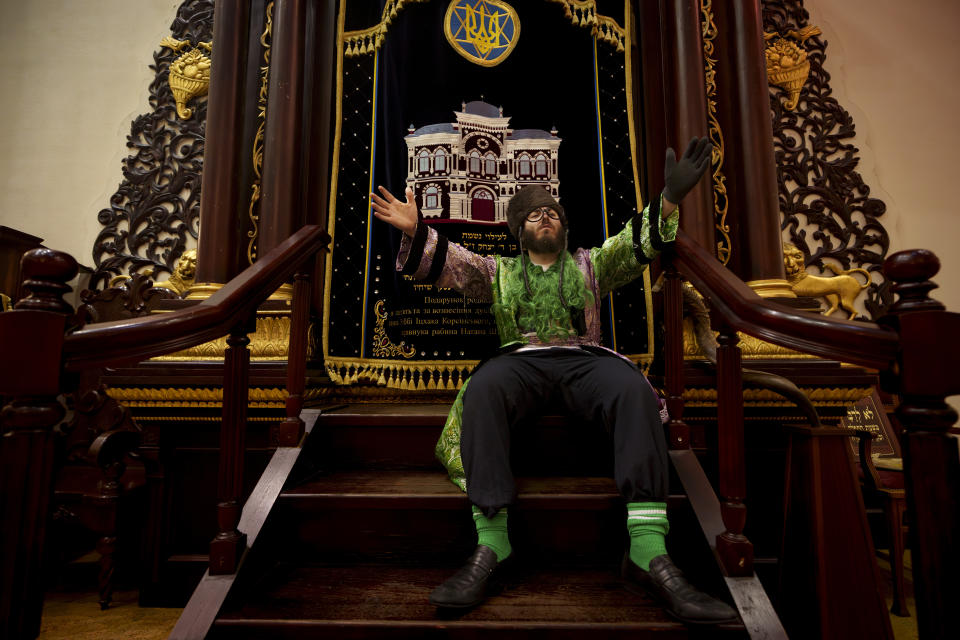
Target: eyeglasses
537	214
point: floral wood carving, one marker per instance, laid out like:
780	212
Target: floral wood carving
825	205
127	297
157	205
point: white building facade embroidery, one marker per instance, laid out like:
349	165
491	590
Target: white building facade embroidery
468	170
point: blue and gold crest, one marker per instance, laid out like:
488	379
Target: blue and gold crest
482	31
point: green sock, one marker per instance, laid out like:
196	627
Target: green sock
647	524
492	532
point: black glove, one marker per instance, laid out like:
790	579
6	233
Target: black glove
680	177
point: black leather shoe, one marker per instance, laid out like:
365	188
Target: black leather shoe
469	586
666	583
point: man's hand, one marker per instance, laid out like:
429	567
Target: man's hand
402	215
681	176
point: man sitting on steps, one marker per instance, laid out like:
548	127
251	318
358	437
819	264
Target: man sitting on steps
546	303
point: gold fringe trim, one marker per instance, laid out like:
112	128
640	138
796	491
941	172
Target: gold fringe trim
359	43
421	376
205	397
580	12
820	396
583	13
424	376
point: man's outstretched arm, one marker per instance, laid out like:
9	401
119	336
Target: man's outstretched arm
402	215
428	256
623	257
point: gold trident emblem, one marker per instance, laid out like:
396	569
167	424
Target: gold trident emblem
484	30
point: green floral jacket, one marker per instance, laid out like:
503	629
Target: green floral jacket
588	276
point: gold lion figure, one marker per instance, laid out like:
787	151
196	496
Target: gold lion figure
183	273
840	291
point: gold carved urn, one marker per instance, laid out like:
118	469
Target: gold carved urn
189	75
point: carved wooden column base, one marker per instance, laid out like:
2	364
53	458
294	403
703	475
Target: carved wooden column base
734	549
26	477
229	545
106	546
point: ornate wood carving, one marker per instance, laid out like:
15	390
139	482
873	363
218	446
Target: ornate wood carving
824	202
720	204
131	298
157	205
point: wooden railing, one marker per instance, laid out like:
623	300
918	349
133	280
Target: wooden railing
42	353
914	350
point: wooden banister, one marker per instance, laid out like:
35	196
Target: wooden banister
862	343
917	358
38	353
136	339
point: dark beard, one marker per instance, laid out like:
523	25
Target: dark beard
546	244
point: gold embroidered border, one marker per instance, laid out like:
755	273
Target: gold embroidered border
709	28
382	346
253	211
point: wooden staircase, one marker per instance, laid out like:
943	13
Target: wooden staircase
369	524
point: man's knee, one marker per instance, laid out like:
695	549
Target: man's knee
624	381
496	376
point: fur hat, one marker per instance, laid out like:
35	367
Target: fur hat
525	200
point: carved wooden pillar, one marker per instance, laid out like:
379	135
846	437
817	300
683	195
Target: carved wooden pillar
679	431
927	375
743	112
229	544
735	551
685	107
321	66
31	340
281	212
649	116
222	214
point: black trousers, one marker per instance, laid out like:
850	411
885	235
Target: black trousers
601	390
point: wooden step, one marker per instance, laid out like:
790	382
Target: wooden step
411	515
371	601
385	436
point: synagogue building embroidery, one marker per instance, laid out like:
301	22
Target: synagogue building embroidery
467	170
